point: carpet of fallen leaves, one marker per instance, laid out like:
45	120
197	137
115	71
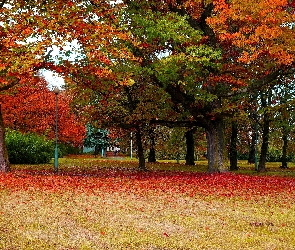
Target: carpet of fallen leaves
131	181
127	209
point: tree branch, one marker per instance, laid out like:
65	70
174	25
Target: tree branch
8	86
200	24
2	3
173	124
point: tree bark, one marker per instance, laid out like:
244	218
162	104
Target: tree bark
152	152
190	148
252	148
4	162
215	147
140	150
96	150
284	150
264	145
152	155
233	154
253	143
265	136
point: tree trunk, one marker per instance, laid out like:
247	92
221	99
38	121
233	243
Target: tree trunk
152	152
140	151
284	153
152	155
96	150
4	162
265	137
264	146
215	147
252	148
233	154
190	148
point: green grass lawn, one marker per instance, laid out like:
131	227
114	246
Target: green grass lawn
105	204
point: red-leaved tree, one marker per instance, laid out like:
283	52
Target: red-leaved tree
32	108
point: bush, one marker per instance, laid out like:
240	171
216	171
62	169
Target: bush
28	148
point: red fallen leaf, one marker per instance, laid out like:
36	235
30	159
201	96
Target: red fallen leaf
103	233
119	181
165	234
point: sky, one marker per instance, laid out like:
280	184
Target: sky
53	79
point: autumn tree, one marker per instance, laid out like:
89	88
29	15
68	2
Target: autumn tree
185	70
251	51
31	107
19	59
261	33
27	30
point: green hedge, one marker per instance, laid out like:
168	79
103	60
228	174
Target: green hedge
28	148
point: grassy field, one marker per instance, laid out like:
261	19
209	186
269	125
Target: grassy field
105	204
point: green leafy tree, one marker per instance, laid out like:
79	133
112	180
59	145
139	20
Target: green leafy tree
96	138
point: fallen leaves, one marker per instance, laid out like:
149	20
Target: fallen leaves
139	183
127	209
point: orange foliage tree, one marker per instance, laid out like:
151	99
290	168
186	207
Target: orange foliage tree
26	32
262	36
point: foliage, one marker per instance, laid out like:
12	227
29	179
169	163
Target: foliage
275	155
28	148
32	108
96	137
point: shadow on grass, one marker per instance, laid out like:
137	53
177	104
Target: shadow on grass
78	166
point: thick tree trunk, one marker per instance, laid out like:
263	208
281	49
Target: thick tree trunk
233	154
140	150
284	153
4	162
190	148
152	152
215	147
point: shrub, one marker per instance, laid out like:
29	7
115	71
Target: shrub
28	148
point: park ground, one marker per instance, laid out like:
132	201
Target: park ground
107	204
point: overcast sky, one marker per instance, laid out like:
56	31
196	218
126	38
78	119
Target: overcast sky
53	79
